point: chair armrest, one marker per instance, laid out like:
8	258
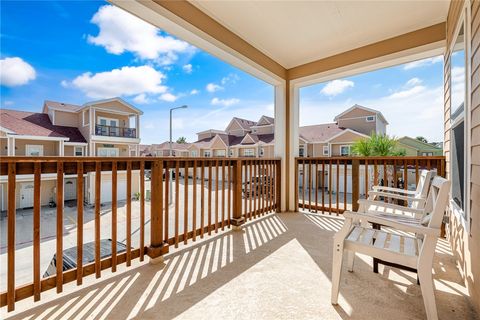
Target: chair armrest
398	190
393	224
366	203
395	196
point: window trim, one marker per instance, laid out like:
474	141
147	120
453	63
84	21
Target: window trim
75	151
349	150
209	153
117	121
326	148
373	119
28	146
465	20
250	150
108	148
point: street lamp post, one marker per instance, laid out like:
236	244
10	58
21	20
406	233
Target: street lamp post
171	151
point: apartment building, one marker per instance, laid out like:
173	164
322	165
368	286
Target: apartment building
106	128
246	138
163	149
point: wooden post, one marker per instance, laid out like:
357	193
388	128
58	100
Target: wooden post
237	219
355	183
157	246
278	186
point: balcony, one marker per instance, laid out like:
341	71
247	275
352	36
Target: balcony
276	257
111	131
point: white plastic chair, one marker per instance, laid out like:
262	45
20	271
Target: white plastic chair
416	251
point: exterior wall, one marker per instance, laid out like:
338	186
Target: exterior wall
47	192
241	151
263	130
335	148
466	243
114	106
357	112
122	148
268	151
409	150
50	148
3	147
205	135
69	151
317	149
218	145
235	129
381	126
358	124
347	137
68	119
123	119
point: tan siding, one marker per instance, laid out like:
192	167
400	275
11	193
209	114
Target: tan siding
3	147
264	130
347	137
68	119
123	119
50	148
357	112
114	106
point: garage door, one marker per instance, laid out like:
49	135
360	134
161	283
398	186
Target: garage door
70	189
106	190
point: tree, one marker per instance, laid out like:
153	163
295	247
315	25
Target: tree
422	139
377	145
182	140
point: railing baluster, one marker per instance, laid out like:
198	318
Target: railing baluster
129	213
255	189
416	171
304	183
338	186
385	177
329	186
194	204
209	218
177	196
297	187
59	257
247	188
310	186
12	175
216	195
229	199
98	181
223	195
185	203
366	178
375	173
79	223
405	175
167	199
323	186
251	191
202	199
36	231
316	186
345	189
114	214
142	209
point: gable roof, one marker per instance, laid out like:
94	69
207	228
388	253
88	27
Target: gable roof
243	123
265	120
319	132
67	107
417	144
357	106
37	124
118	99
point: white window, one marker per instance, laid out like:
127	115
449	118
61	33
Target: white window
370	118
78	151
219	153
108	122
326	151
301	151
193	153
108	152
262	152
207	153
427	154
248	153
33	150
345	150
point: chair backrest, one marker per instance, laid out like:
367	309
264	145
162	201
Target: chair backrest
423	186
437	202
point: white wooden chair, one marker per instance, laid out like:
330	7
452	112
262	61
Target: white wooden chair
412	251
415	199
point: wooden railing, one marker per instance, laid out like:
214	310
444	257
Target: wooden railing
335	184
221	192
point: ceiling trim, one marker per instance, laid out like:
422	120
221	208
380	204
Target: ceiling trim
410	40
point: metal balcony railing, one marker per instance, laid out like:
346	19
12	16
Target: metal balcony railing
111	131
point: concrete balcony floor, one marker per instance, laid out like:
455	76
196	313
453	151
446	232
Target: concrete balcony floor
278	267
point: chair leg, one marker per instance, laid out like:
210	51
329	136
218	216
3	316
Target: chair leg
428	292
350	260
336	270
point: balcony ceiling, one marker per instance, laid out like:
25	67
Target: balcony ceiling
295	33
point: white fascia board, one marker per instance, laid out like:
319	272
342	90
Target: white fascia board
29	137
114	140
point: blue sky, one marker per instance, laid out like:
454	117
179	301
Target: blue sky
83	51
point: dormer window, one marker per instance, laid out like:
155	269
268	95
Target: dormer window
370	118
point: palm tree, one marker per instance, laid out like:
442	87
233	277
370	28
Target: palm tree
377	145
182	140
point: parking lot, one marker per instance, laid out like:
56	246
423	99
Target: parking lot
24	227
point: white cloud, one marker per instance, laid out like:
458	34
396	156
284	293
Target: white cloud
15	72
224	102
121	31
232	78
407	92
336	87
8	103
194	92
413	82
187	68
212	87
142	99
168	97
127	81
422	63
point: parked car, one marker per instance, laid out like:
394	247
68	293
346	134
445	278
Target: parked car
254	187
70	255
